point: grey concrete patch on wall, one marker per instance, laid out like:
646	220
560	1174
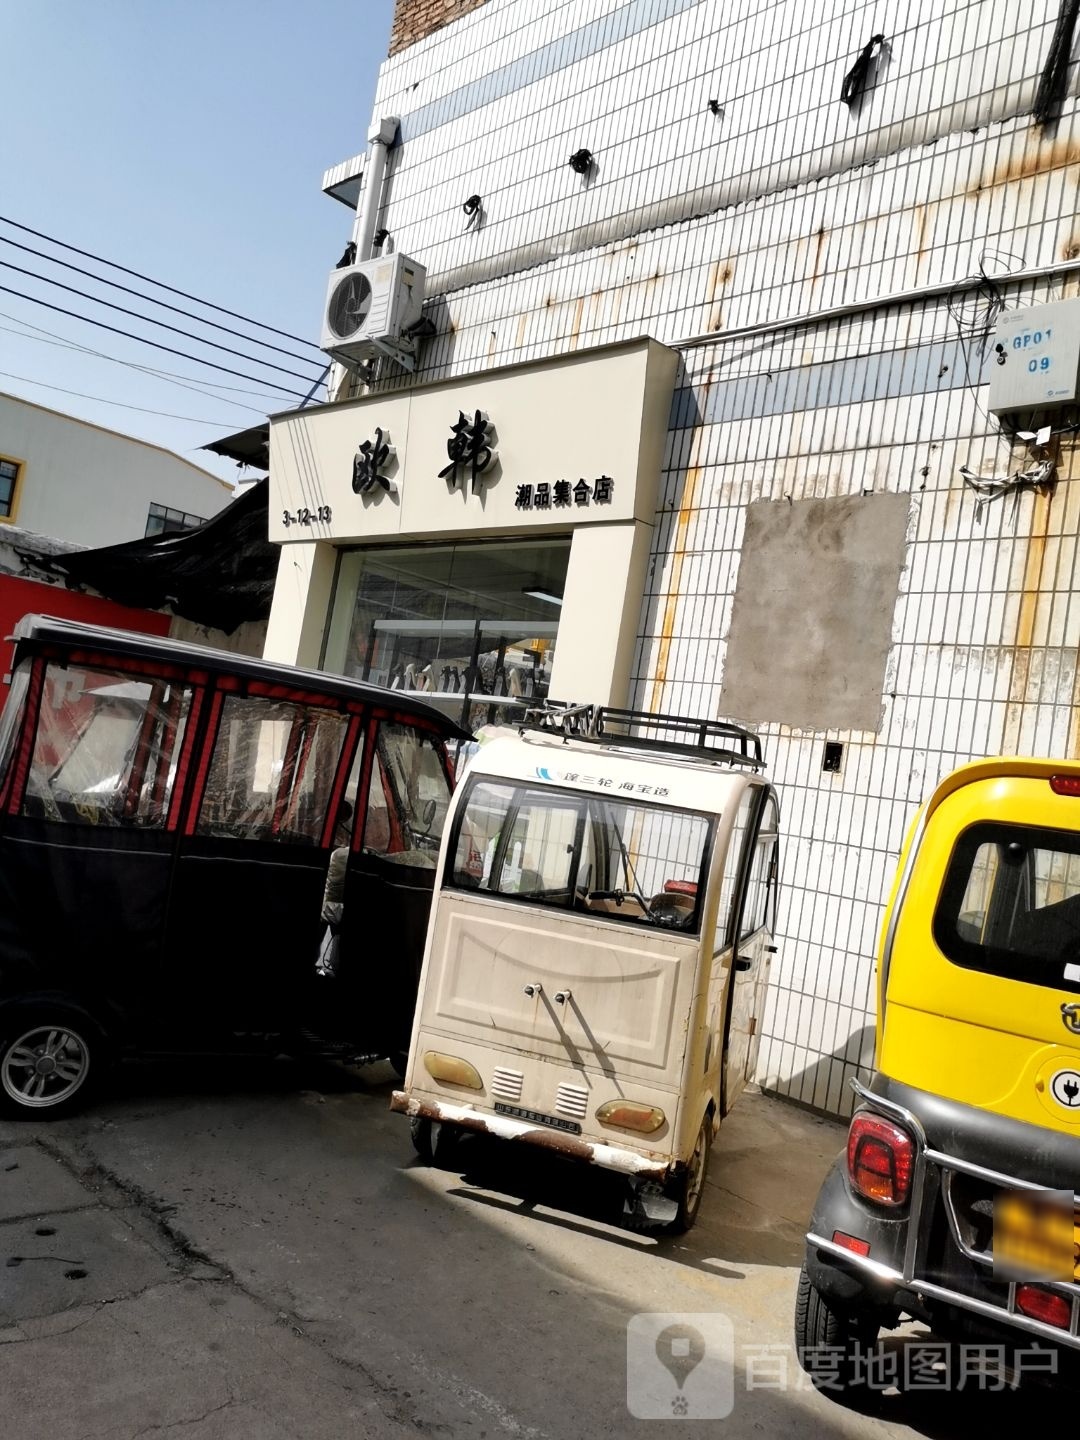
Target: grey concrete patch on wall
812	618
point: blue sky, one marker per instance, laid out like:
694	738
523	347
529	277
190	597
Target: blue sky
186	141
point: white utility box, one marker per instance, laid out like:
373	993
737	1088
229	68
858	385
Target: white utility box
1035	359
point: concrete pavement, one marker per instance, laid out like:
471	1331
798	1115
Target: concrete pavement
232	1251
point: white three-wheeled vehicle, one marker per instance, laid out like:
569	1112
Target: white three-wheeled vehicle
598	952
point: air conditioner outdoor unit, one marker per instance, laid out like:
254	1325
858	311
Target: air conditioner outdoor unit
369	305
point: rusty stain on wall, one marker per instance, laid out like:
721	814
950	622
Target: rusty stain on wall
1033	569
1037	158
575	324
721	272
687	505
820	237
1031	588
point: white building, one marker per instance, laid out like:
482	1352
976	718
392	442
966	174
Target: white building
77	482
816	227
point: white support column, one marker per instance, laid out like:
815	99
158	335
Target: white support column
601	605
301	605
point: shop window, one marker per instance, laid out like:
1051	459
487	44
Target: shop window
272	770
471	626
106	748
161	520
9	487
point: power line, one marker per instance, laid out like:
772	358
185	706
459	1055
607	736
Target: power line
172	290
101	400
142	340
161	324
214	392
164	304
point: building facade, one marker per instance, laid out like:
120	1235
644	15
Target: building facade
85	485
795	228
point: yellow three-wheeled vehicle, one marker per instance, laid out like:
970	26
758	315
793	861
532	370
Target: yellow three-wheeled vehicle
955	1200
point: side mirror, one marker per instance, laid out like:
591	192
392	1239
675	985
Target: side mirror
430	811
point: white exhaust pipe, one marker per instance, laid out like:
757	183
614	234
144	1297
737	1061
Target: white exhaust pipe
380	138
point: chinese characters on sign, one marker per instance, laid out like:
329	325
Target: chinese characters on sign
469	449
368	463
562	493
471	453
625	787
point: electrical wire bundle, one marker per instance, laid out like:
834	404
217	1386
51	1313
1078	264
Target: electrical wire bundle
258	354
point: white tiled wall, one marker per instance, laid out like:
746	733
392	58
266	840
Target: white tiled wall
785	204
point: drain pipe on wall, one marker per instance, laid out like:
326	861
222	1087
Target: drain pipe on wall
380	138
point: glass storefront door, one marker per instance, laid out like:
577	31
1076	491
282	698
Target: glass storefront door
471	626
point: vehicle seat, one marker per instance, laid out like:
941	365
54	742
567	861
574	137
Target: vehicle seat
377	830
1051	932
607	905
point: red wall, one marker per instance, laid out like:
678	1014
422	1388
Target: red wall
27	597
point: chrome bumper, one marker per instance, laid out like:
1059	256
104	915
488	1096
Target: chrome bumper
608	1157
909	1277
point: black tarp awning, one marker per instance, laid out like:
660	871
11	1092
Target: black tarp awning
220	574
246	447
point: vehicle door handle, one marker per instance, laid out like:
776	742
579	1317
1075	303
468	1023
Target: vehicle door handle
742	964
561	996
532	990
771	949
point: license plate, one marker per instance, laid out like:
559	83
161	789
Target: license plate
554	1122
1036	1235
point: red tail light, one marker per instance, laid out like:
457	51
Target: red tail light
1044	1305
880	1157
1065	784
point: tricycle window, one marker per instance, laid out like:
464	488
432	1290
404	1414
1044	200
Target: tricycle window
1010	904
106	747
622	860
272	770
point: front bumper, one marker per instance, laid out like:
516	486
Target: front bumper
607	1157
905	1273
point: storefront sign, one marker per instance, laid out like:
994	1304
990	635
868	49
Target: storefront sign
537	446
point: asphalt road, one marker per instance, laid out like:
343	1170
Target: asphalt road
222	1251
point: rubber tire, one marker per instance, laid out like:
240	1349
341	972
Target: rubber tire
18	1021
690	1207
844	1333
399	1062
434	1141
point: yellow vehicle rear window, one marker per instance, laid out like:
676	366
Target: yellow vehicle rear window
1010	904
